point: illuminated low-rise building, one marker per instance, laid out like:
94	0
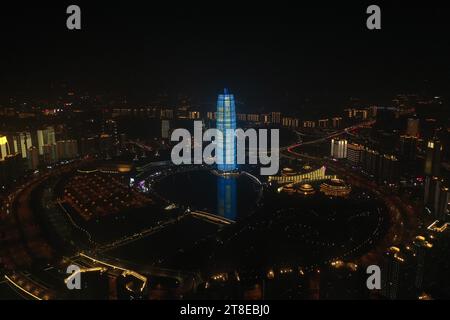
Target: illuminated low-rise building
288	172
306	189
315	175
335	188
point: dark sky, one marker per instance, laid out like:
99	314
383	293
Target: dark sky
264	53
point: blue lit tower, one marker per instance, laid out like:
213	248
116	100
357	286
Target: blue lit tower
226	123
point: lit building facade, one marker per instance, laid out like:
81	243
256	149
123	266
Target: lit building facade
33	158
226	123
412	127
165	129
45	136
4	147
354	153
339	148
433	158
22	142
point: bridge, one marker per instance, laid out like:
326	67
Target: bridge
212	217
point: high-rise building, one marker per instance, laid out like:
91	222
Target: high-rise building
432	193
194	115
122	139
166	114
391	273
290	122
212	116
408	148
253	117
323	123
354	153
389	169
226	124
105	144
110	128
412	127
422	248
309	124
33	158
435	193
66	149
45	136
241	116
4	148
165	129
337	122
339	148
444	199
89	145
370	161
433	158
11	167
21	142
276	117
50	154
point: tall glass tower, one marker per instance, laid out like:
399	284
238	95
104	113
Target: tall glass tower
226	123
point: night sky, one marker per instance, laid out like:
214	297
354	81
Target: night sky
266	55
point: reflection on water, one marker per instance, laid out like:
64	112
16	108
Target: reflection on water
227	197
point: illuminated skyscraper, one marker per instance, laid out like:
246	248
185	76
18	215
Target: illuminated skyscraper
45	136
392	270
165	129
226	123
22	142
433	158
339	148
4	147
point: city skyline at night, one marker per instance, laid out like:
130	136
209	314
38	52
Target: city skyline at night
320	172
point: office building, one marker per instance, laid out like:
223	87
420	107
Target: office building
391	273
276	117
354	153
4	148
323	123
408	148
50	154
412	127
33	158
339	148
21	143
389	169
433	158
45	136
336	122
165	129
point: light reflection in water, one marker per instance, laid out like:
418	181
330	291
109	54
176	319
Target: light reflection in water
227	197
